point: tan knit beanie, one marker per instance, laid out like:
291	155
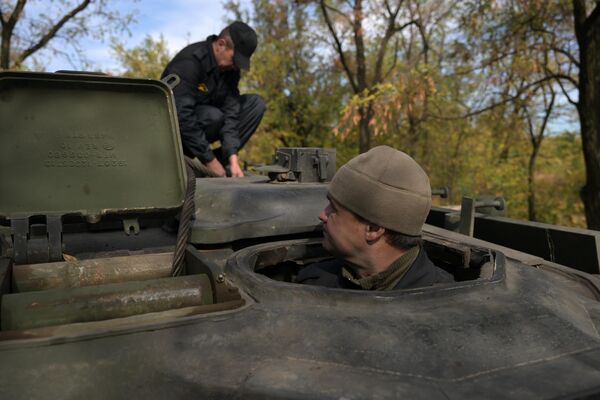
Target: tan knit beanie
384	186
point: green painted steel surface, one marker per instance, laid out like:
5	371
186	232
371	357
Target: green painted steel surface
229	210
71	274
95	303
87	144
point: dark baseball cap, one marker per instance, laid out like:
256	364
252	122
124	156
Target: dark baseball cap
244	43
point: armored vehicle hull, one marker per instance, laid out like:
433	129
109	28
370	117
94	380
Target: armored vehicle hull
525	329
93	305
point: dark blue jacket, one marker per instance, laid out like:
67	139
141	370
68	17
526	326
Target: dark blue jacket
329	274
202	83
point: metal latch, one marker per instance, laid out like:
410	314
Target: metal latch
131	225
321	160
37	242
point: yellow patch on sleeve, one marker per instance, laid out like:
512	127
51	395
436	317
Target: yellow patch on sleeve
202	88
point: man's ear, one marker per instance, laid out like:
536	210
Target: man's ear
221	42
373	233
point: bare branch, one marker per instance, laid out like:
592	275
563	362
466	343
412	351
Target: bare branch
506	100
558	77
391	30
539	29
394	61
388	7
360	53
565	93
15	15
424	41
404	26
567	78
52	32
338	47
389	33
567	54
485	64
339	12
530	129
548	112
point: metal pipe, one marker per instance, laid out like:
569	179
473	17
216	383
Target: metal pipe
72	274
95	303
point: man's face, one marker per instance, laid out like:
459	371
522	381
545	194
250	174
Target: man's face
224	55
343	233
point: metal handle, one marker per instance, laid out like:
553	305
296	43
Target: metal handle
172	80
442	192
498	203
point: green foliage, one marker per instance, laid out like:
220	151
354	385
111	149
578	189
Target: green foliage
468	163
301	89
433	77
148	60
561	174
454	89
468	57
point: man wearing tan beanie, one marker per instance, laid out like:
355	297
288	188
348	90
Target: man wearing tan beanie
378	203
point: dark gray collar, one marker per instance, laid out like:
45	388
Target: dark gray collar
205	54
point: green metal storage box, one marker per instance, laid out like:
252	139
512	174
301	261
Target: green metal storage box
85	144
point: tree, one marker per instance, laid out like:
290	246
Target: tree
465	93
587	31
30	26
521	70
148	60
536	135
302	91
568	33
346	22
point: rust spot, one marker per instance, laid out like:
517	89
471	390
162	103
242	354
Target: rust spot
68	257
86	189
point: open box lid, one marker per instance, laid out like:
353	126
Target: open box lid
87	144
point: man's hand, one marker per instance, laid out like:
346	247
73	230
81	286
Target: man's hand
215	166
234	166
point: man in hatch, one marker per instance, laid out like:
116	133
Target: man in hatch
378	203
209	105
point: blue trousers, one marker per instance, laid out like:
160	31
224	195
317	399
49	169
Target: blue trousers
252	109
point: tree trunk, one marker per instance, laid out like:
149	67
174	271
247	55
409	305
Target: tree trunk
588	107
364	138
412	134
4	49
531	183
9	20
590	128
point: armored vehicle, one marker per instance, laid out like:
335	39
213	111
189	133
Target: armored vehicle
102	298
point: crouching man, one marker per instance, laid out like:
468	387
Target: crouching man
210	108
378	203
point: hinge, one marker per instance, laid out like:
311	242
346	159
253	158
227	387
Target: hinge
38	242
